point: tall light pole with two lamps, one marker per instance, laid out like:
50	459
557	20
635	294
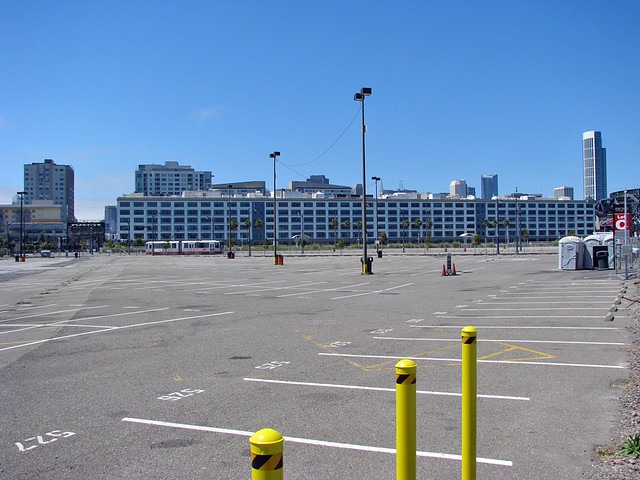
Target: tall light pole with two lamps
274	155
366	264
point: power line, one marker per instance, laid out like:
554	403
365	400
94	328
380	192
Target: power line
329	148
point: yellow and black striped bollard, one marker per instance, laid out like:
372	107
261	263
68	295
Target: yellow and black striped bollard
469	391
406	420
266	455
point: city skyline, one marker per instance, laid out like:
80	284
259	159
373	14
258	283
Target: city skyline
458	91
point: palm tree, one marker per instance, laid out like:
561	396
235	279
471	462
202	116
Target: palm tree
428	224
418	223
334	224
358	226
506	223
346	225
485	224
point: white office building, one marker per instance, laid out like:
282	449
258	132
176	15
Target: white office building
204	217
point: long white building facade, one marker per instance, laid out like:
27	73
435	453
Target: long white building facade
326	220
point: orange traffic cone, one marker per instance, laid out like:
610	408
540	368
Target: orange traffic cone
454	269
444	271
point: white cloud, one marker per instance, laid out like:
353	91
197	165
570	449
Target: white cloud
207	113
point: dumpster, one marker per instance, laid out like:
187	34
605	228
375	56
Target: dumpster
601	257
379	252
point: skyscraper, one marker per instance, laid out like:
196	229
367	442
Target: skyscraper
594	161
458	188
489	186
48	181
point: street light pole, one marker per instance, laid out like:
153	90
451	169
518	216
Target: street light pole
366	266
22	194
376	180
274	155
229	216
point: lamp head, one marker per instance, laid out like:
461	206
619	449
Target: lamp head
365	91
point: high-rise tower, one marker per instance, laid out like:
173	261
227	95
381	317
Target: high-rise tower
489	186
594	162
48	181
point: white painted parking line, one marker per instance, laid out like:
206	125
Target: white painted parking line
66	322
502	341
373	292
528	309
37	306
381	389
318	443
323	290
607	301
266	289
521	316
54	324
458	360
51	313
526	327
111	329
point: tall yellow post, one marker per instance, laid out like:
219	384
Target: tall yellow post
406	420
266	455
469	390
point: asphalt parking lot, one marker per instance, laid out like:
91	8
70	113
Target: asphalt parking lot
162	367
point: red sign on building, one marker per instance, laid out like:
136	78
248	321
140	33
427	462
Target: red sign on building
622	223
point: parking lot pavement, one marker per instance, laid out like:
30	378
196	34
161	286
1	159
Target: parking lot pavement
162	367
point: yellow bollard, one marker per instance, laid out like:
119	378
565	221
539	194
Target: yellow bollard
406	420
266	455
469	390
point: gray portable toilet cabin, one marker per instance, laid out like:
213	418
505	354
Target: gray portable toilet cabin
591	241
607	239
571	253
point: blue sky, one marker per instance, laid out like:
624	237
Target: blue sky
459	89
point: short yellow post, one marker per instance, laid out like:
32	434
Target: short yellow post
469	390
406	420
266	455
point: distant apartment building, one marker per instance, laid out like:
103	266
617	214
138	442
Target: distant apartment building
563	192
318	179
257	187
48	181
324	187
169	179
594	161
489	186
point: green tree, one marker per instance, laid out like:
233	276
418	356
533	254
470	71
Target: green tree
334	225
383	238
506	223
138	242
247	224
258	223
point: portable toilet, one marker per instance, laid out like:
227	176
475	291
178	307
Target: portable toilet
571	253
590	242
607	239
